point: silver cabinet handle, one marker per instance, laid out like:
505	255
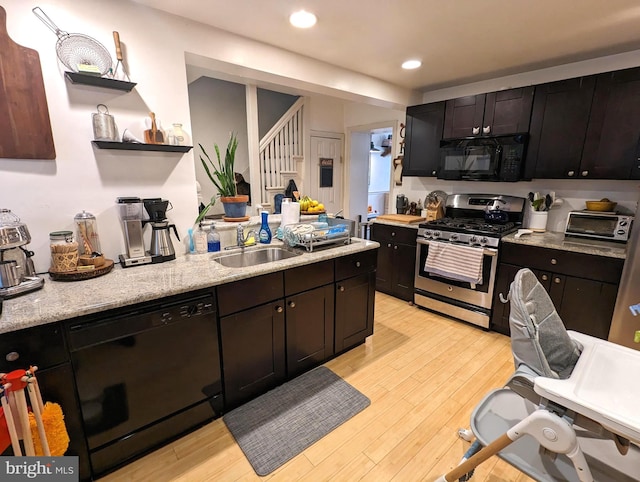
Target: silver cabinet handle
12	356
557	280
395	247
292	304
545	277
393	233
571	173
389	245
554	261
585	173
340	288
357	264
433	173
486	130
279	309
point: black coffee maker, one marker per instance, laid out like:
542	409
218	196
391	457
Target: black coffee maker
402	204
161	248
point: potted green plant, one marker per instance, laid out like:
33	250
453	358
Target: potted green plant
222	175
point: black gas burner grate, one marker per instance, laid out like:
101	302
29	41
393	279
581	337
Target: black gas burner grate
470	225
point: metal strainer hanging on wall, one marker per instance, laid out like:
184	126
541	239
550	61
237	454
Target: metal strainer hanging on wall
76	48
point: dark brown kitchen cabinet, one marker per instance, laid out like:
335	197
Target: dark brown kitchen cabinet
583	287
253	352
355	299
44	346
423	133
612	146
395	272
558	129
494	113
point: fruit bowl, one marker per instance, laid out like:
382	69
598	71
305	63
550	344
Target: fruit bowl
602	206
313	212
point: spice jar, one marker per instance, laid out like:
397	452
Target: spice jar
87	234
64	252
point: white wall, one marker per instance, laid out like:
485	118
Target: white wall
47	194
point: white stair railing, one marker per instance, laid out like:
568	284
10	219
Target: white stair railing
280	150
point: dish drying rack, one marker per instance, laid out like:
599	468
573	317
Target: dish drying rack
311	235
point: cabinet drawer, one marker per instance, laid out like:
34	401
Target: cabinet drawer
240	295
393	234
588	266
355	264
304	278
42	346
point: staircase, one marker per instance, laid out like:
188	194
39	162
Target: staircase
281	150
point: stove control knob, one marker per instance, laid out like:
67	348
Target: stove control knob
427	233
453	237
473	240
484	240
436	234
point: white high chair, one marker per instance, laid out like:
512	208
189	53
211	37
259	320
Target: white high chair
571	411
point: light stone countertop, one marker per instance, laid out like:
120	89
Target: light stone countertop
555	240
394	223
61	300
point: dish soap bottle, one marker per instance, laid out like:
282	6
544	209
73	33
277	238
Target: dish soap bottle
213	240
264	234
200	240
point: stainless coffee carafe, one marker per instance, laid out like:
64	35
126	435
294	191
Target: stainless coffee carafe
161	248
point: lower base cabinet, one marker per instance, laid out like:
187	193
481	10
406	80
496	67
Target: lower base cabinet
395	271
583	287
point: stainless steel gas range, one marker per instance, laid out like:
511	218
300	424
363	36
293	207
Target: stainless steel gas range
457	256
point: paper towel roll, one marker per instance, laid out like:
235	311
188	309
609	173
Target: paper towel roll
290	212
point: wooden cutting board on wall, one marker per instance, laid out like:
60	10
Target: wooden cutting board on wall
25	128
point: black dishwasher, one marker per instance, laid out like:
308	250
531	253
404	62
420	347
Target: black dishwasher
145	374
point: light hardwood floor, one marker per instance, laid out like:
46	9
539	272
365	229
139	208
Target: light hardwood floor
424	374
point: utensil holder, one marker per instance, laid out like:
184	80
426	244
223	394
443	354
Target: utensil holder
64	258
538	221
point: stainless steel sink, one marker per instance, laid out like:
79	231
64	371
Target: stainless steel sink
243	258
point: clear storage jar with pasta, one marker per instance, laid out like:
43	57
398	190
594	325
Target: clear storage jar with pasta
64	252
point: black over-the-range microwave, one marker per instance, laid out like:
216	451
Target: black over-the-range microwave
486	158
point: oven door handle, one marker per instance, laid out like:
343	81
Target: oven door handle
486	252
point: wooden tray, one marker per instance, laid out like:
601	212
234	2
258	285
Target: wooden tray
82	275
401	218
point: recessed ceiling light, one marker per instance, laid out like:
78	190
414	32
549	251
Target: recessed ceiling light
411	64
302	19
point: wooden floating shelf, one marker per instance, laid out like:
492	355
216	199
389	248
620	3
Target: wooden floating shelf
133	146
86	79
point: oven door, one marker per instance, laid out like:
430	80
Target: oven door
455	298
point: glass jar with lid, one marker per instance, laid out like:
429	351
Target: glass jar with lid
64	252
87	234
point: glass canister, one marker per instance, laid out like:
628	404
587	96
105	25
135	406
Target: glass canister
87	234
64	252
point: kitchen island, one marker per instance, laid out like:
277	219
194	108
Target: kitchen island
111	349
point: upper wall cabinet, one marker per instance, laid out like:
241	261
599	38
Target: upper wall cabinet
423	133
495	113
612	146
558	128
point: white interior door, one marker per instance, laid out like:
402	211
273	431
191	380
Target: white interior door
326	171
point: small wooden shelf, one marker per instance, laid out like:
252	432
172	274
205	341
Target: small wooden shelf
86	79
132	146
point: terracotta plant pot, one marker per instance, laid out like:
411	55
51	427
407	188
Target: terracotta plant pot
235	206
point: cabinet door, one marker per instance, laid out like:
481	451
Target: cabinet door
558	128
508	111
384	271
253	352
423	133
355	299
404	267
584	305
463	115
500	311
611	148
309	328
57	386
